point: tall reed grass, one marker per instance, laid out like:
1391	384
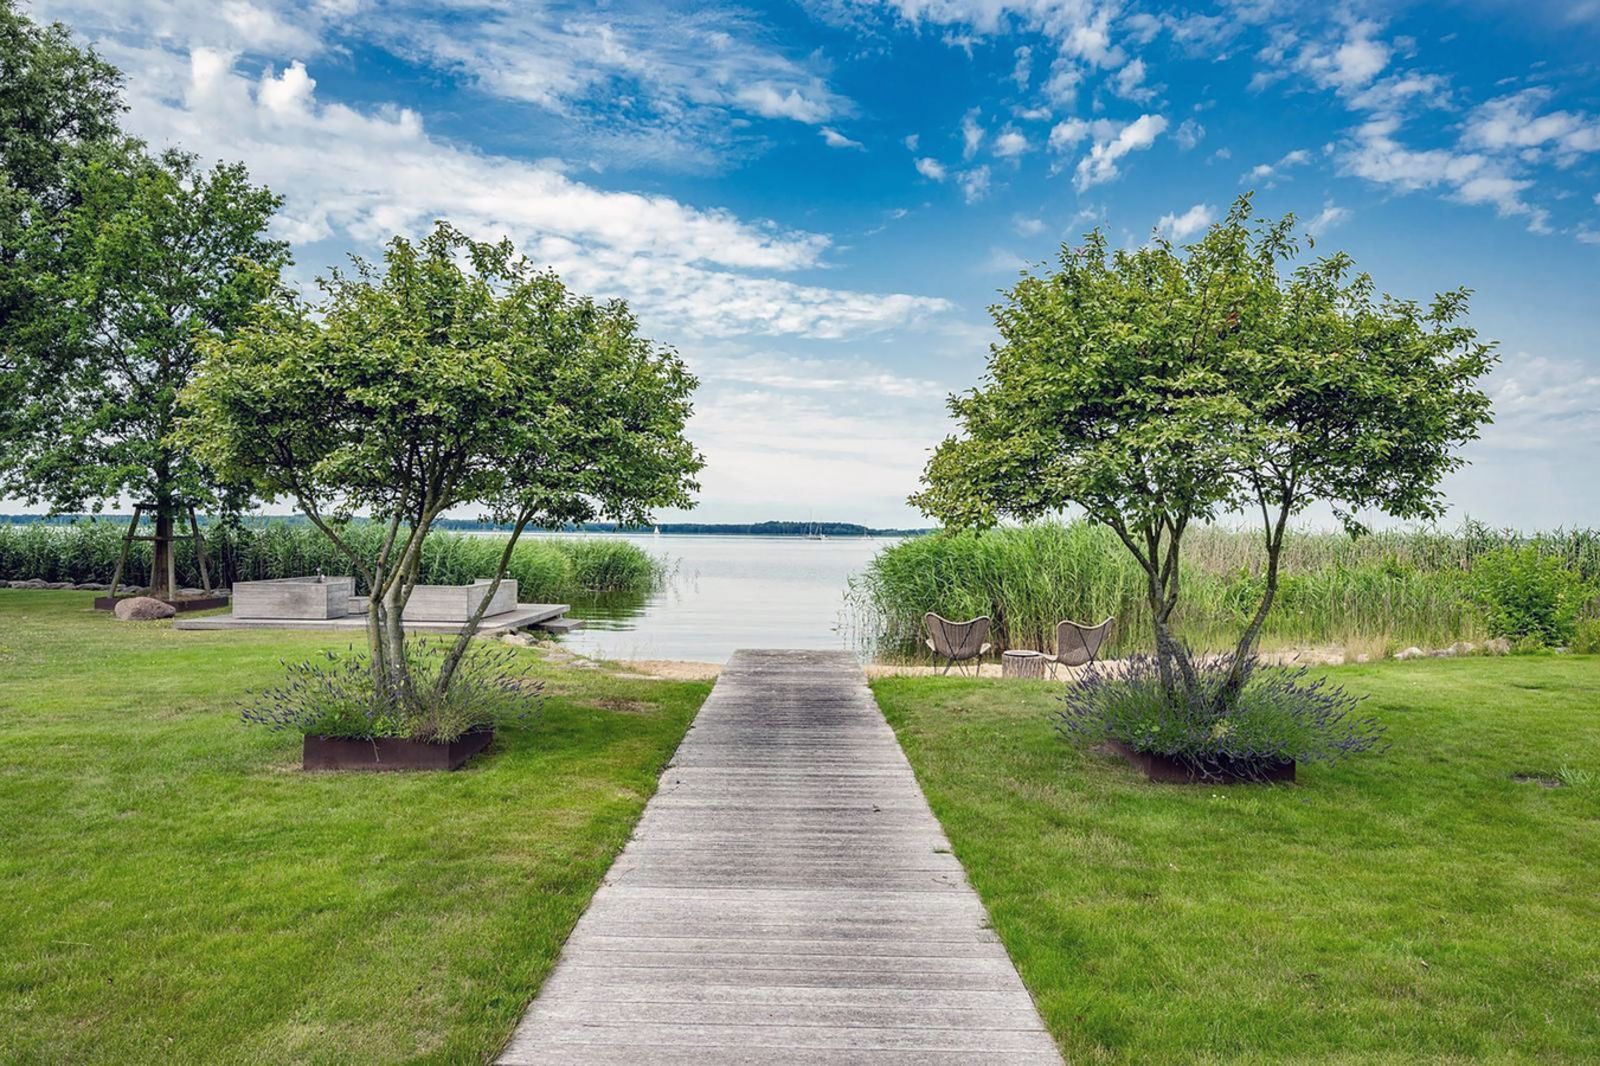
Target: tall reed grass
1391	588
546	568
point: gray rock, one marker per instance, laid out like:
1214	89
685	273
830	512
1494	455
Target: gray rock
1412	652
142	609
1498	646
1463	647
90	586
58	585
31	583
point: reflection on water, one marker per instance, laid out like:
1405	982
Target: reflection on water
730	593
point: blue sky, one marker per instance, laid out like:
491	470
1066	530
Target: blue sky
815	202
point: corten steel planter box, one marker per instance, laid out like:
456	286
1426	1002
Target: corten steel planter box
1166	769
391	753
294	597
455	603
178	603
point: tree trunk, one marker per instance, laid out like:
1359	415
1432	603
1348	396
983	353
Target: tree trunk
1239	669
447	670
163	562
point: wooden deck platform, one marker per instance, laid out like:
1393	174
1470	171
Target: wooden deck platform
526	615
787	898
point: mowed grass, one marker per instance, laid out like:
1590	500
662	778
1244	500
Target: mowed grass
1422	905
174	889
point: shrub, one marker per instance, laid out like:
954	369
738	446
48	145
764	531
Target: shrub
1586	637
1281	714
335	696
1528	597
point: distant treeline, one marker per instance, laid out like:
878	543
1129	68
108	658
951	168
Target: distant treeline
469	525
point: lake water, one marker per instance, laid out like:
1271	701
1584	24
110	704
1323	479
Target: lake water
729	593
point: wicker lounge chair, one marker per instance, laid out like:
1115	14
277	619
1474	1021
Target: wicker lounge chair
957	642
1078	644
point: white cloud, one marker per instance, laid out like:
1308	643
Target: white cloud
932	169
1330	216
684	79
1393	94
1188	134
974	184
773	101
1466	177
1010	144
1003	261
1346	65
284	95
1269	172
971	134
1543	404
1022	72
1028	227
1129	82
1069	133
1100	165
1513	122
1182	227
912	140
362	176
834	139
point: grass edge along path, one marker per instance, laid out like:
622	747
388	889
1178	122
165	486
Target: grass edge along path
1424	905
174	888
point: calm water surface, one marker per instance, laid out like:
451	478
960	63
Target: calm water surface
730	593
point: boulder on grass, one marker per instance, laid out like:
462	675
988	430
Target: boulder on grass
143	609
31	583
91	586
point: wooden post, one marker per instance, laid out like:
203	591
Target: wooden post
127	545
164	558
200	552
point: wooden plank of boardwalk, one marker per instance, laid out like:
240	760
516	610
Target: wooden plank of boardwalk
787	898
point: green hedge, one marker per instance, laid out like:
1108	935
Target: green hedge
546	568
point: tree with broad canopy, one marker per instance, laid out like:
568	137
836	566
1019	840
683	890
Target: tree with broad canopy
1158	387
456	374
163	254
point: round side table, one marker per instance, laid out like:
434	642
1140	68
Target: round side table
1022	663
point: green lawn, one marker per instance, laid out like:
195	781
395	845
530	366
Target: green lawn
173	888
1416	906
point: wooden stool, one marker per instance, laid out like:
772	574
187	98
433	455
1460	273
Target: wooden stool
1028	664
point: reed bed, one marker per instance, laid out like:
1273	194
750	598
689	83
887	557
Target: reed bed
546	568
1390	589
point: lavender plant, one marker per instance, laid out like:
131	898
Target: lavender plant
1281	714
335	696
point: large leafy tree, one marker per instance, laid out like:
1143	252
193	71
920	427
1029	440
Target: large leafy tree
1158	387
161	253
59	109
455	374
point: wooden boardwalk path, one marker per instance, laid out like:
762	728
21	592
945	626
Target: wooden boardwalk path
787	898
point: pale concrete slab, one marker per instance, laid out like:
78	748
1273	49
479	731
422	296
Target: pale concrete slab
524	616
788	898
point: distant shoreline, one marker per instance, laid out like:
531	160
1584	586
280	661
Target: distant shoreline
800	530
